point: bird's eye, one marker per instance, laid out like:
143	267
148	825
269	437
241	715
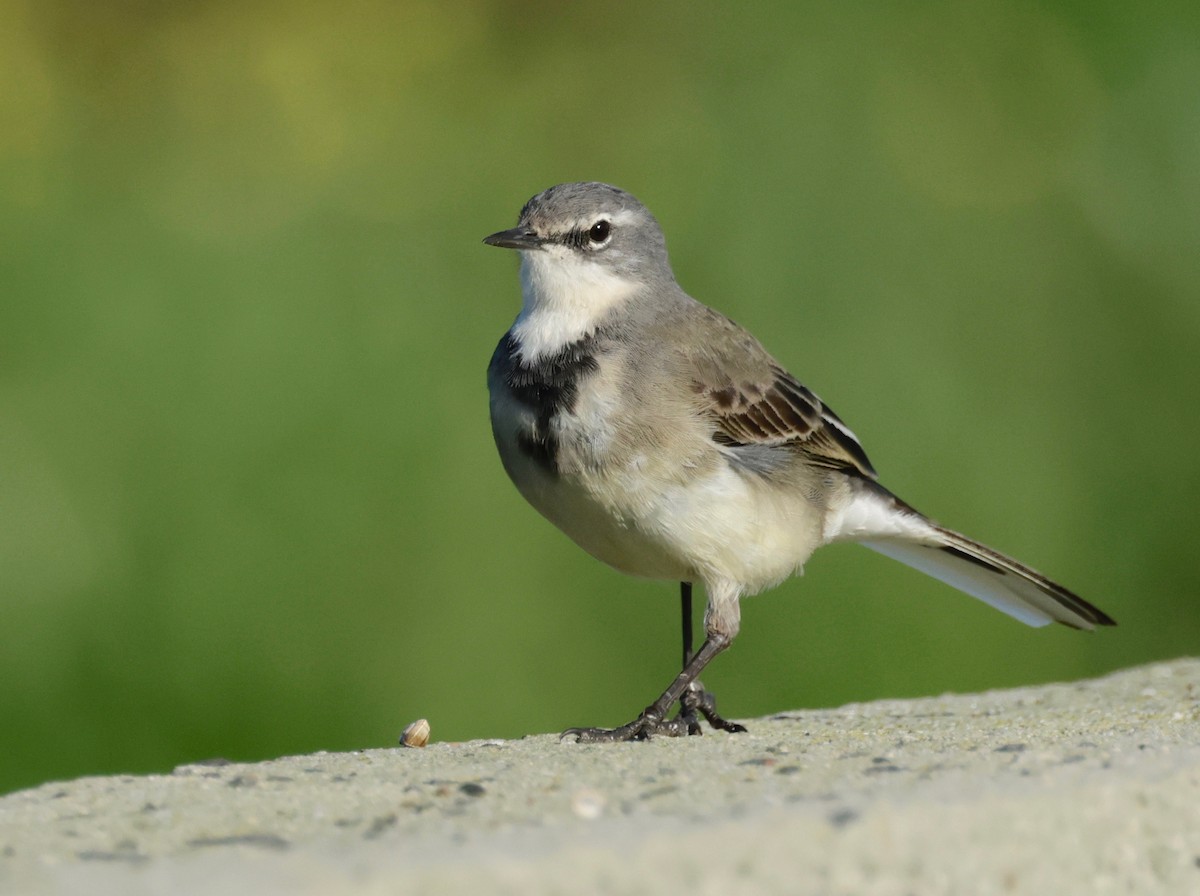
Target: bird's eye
599	231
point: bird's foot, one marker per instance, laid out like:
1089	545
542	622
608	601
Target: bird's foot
695	702
644	727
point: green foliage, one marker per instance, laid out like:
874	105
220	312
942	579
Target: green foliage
249	503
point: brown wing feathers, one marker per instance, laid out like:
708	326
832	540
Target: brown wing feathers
785	412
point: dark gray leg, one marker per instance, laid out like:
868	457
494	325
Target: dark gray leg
685	689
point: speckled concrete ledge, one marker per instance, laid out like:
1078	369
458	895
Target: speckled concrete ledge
1091	787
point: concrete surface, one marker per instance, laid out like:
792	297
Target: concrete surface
1091	787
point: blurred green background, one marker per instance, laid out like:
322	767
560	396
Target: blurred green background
249	502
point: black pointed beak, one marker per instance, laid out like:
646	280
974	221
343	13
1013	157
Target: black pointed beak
517	238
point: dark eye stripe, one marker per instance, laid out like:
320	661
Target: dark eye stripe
593	235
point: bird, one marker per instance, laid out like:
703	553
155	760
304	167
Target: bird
667	442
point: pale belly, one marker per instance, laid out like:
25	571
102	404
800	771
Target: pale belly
615	539
718	524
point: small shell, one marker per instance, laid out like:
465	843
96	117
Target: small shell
415	734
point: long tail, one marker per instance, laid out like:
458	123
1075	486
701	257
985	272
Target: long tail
996	579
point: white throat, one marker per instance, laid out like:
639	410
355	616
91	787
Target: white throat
564	298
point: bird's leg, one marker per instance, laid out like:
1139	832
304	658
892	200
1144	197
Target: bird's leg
687	709
685	688
697	699
653	720
685	607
